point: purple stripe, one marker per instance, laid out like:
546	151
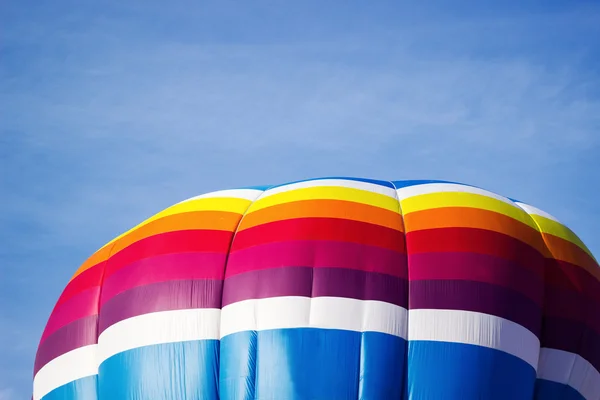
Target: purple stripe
81	332
317	253
572	336
478	297
309	282
162	296
477	267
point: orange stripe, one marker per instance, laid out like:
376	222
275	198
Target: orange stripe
325	209
210	220
565	250
467	217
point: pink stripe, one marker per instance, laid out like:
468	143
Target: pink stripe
476	267
167	267
78	306
317	253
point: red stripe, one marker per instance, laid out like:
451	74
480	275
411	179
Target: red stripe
87	279
472	240
210	241
335	229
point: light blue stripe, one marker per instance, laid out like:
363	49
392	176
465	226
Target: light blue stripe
308	363
184	370
80	389
548	390
455	371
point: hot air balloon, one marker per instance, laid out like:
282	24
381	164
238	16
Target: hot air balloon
331	289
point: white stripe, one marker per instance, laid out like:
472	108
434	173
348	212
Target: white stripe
247	194
75	364
570	369
158	328
318	312
531	210
429	188
457	326
371	187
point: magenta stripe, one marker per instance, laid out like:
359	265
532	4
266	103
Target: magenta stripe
572	336
477	267
78	306
81	332
162	296
166	267
309	282
315	253
477	297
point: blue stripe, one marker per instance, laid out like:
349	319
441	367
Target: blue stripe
184	370
548	390
80	389
455	371
308	363
259	187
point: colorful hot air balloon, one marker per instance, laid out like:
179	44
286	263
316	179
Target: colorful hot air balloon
331	289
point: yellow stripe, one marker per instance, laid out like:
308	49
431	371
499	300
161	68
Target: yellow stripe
463	199
554	228
327	193
227	204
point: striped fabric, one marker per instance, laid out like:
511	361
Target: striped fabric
332	288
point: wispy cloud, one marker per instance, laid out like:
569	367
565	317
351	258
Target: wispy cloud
111	114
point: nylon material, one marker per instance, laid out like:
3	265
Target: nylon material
569	369
82	305
382	366
548	390
478	297
184	370
474	328
326	183
317	254
237	367
555	333
327	193
286	369
79	333
464	199
476	241
80	389
161	296
572	336
407	192
319	208
169	267
315	282
483	268
455	371
283	346
157	328
534	211
321	312
76	364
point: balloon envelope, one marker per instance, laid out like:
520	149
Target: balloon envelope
332	288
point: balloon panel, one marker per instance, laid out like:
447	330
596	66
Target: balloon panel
333	288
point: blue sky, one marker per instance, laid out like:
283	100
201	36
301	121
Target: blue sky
110	112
